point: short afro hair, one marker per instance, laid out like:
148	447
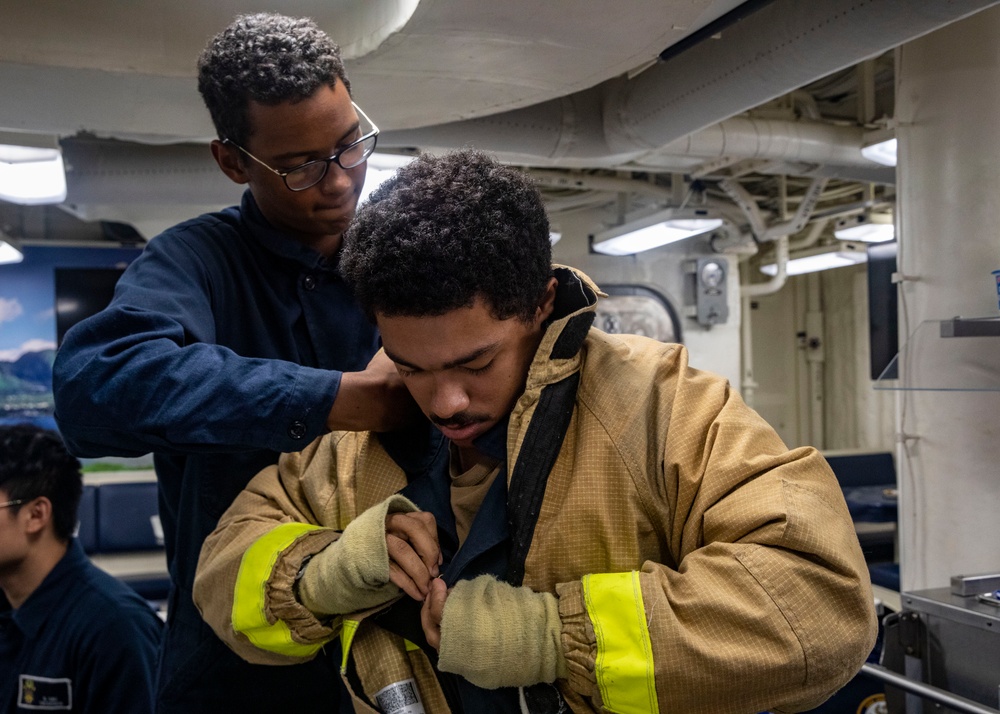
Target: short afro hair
446	230
34	462
268	58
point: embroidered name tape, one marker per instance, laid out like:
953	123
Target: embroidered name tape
44	693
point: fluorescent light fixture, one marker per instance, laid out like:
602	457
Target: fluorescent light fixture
882	152
879	145
9	253
827	257
554	237
866	227
653	231
31	169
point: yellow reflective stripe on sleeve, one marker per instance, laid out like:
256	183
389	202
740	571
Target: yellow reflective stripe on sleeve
249	597
624	667
347	630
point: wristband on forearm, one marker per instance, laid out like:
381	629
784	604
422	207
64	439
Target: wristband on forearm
497	635
352	573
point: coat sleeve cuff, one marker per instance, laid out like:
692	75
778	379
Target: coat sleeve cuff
282	603
578	640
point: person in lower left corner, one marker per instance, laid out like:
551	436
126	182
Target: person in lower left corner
72	637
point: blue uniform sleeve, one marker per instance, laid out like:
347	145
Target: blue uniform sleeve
147	375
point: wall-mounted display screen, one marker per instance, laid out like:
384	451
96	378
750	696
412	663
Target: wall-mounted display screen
80	293
52	289
883	320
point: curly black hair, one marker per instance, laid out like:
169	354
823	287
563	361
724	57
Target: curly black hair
34	462
268	58
446	230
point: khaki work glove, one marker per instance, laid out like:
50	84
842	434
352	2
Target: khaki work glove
352	573
497	635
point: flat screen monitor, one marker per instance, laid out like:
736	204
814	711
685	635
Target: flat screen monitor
883	319
80	293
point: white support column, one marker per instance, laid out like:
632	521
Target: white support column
948	461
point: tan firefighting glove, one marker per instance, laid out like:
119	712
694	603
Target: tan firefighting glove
352	573
497	635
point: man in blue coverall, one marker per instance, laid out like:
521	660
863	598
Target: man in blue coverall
233	338
72	638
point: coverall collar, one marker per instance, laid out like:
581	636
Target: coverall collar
31	616
279	242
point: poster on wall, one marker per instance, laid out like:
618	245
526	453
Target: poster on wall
29	304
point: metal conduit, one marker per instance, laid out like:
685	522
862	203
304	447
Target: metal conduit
927	691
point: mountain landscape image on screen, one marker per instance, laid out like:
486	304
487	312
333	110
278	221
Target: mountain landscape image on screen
26	389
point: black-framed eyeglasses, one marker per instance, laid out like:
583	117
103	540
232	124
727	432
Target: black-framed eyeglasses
9	504
312	172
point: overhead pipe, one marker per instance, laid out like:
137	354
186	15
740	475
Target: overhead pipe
783	46
812	237
774	139
576	202
802	214
777	281
783	248
105	172
744	201
567	133
776	50
590	182
611	184
777	233
108	171
742	198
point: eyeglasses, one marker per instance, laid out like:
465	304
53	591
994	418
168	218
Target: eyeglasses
311	173
18	502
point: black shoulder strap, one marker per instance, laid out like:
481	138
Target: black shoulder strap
539	451
542	442
546	432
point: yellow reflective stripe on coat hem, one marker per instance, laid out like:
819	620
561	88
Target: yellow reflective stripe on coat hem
250	597
624	666
347	632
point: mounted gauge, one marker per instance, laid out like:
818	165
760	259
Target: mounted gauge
712	275
706	289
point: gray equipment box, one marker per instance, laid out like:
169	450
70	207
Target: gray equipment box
948	638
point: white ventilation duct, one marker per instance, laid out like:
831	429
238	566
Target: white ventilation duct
641	120
115	172
747	138
780	48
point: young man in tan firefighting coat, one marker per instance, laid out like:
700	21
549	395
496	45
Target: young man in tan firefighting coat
584	523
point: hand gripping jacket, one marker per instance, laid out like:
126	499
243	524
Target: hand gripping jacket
700	565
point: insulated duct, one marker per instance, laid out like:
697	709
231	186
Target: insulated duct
117	172
780	48
807	141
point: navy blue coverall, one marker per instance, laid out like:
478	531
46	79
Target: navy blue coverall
82	642
223	346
